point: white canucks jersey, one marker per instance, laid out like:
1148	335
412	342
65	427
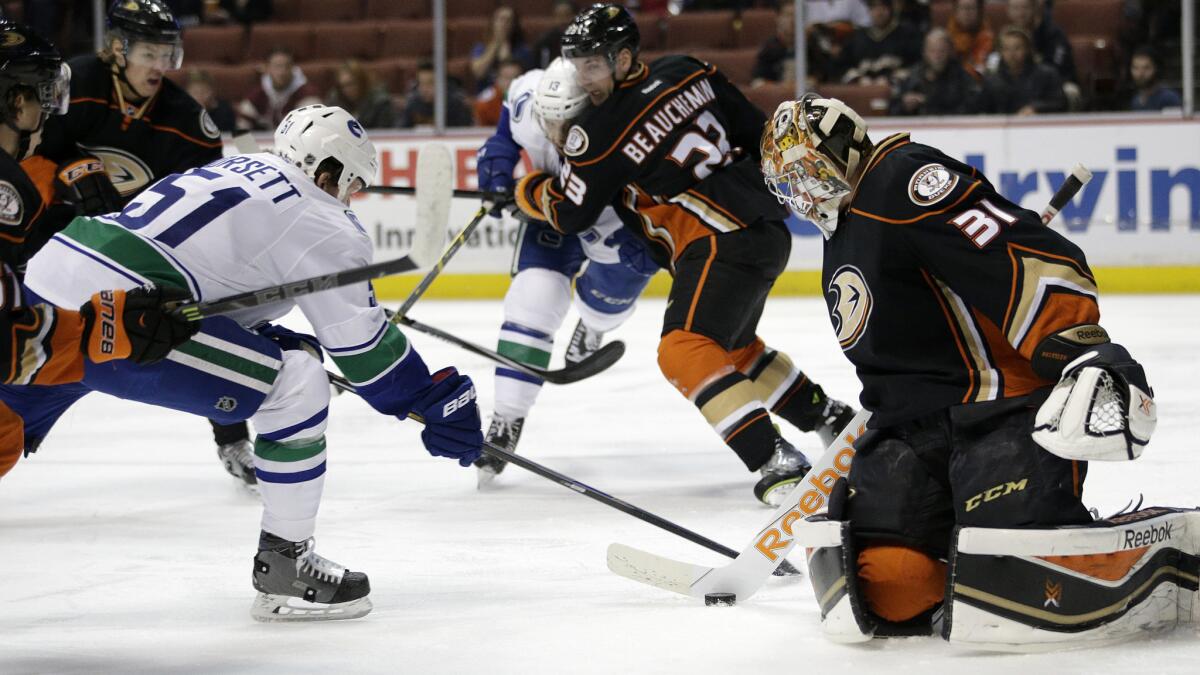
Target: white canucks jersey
241	223
527	132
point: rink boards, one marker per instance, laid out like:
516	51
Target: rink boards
1138	221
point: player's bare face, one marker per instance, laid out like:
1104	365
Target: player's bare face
146	66
595	76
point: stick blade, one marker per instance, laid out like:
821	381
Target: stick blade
599	361
435	187
654	570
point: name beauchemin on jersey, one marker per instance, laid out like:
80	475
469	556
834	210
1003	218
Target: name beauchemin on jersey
671	114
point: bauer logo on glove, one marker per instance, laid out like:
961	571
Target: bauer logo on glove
454	405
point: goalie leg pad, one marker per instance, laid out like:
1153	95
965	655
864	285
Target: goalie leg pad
834	575
1073	587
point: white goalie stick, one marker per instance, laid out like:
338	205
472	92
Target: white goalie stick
788	528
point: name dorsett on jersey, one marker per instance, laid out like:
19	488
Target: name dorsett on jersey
676	111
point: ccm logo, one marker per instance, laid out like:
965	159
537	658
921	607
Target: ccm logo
815	492
1149	536
461	402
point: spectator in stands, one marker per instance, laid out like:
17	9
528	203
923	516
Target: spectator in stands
282	88
488	104
830	23
547	47
505	41
1149	94
777	57
973	38
357	92
246	11
1021	85
827	12
1049	41
200	87
881	51
939	85
418	105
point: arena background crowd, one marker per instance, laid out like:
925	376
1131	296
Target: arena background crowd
250	61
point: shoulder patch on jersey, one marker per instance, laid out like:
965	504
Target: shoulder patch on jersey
519	106
207	126
930	184
11	206
577	142
851	305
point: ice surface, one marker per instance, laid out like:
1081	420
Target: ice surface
124	547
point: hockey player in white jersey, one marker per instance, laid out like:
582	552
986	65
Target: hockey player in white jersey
609	267
239	224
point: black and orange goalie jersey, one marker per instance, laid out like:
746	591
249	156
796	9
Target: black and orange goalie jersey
139	144
939	288
675	142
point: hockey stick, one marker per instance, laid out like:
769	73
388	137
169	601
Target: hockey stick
433	273
746	574
406	190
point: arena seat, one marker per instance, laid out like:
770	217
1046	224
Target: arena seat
1089	17
220	44
393	74
650	30
394	9
407	38
463	34
296	38
286	10
770	95
531	8
358	40
757	25
535	26
468	8
322	74
331	10
713	30
996	13
865	99
736	64
232	82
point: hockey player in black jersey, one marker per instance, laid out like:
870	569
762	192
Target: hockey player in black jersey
673	147
129	125
975	332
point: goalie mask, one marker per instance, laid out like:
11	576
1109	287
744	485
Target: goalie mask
558	100
811	149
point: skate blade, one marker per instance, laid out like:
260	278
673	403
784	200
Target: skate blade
270	607
779	492
484	477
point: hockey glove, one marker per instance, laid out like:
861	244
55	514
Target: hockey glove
84	183
531	193
1101	409
133	324
290	340
452	425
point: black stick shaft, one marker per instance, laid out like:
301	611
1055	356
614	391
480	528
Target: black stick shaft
294	289
469	346
405	190
1075	181
455	244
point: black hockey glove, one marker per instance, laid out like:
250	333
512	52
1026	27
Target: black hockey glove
84	183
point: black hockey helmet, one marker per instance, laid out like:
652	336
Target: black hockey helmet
29	60
605	29
146	21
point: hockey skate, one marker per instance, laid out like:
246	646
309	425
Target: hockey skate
238	458
504	433
786	467
832	420
296	584
584	343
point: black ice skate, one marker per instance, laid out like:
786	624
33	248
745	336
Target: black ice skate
504	433
786	467
238	458
832	420
296	584
584	343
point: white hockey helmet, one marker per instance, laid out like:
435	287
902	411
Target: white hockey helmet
314	133
558	100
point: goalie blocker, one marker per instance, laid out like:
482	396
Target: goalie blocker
1035	590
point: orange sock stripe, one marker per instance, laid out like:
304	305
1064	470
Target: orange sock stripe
742	428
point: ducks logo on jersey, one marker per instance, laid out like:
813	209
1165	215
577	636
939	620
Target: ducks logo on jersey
850	305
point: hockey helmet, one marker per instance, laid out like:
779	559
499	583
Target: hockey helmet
314	133
28	60
811	150
600	30
149	21
558	100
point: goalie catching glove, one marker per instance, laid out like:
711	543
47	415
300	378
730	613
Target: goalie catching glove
452	425
1102	407
134	325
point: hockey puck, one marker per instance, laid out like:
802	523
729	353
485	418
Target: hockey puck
721	599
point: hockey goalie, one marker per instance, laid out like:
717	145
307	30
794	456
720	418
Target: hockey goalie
975	332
